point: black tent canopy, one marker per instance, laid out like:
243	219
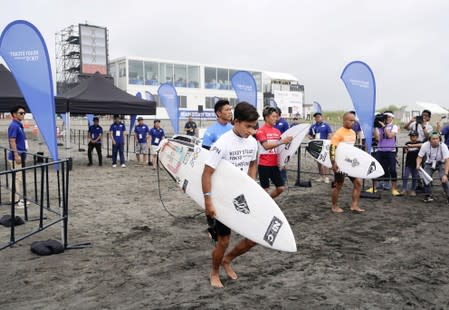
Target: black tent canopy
10	94
98	95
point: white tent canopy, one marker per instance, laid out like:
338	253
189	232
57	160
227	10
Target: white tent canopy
409	111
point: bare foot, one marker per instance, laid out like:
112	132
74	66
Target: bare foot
337	210
215	280
229	271
357	210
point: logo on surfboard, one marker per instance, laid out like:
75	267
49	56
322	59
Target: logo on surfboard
240	204
372	168
354	162
273	230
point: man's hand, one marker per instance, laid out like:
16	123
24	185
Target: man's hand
17	158
444	179
335	167
287	140
210	210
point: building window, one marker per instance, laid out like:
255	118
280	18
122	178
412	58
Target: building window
182	101
122	70
210	103
193	76
210	77
223	79
180	75
112	71
151	73
233	102
135	72
166	73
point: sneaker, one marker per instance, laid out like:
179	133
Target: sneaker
428	199
404	193
371	190
326	180
123	166
395	193
114	165
320	179
20	205
412	193
21	202
100	164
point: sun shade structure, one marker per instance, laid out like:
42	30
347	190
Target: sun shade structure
98	95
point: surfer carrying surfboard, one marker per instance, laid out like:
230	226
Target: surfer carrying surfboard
269	139
238	147
344	135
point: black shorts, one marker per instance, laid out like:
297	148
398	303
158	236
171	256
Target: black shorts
267	173
218	227
340	177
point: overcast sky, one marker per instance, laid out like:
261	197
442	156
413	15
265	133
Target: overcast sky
405	42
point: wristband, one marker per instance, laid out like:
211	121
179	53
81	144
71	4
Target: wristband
207	194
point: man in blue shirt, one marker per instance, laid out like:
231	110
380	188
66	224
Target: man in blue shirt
94	136
223	111
18	146
281	123
141	131
320	130
157	135
117	133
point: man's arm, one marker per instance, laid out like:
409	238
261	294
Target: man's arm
252	170
418	162
206	182
271	145
12	143
111	134
406	126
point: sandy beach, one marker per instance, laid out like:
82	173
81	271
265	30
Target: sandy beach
393	256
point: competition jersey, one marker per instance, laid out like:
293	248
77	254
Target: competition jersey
118	132
343	135
270	134
237	150
214	132
141	132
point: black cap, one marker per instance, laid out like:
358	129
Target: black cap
317	113
140	118
413	133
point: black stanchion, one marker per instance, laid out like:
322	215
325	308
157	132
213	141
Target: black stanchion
298	174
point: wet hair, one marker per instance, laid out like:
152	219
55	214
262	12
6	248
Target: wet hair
245	112
96	119
268	111
426	111
279	111
352	112
220	104
17	108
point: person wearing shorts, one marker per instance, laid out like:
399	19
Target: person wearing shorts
142	135
157	135
239	140
344	135
269	137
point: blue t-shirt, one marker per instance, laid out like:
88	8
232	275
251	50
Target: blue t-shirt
323	129
141	133
95	131
15	131
214	132
156	135
445	133
282	125
118	131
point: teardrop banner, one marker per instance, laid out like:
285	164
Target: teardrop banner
170	100
245	87
361	86
24	50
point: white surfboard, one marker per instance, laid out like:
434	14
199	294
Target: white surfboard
350	159
240	202
320	151
286	151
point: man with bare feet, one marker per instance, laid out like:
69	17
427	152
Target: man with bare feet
344	135
238	147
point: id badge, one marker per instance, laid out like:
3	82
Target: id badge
317	135
156	140
26	144
140	136
93	136
434	164
117	133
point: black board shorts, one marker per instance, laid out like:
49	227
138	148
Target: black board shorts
267	173
218	227
340	177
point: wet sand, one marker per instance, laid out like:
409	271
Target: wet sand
395	255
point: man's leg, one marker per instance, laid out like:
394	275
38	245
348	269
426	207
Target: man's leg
90	147
122	154
100	157
217	258
405	177
114	153
357	183
276	178
18	181
241	248
336	188
428	187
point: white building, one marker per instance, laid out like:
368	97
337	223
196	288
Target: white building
199	84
